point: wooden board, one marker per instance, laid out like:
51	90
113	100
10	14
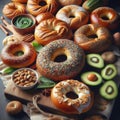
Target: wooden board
14	93
26	96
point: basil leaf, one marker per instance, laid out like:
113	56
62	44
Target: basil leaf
8	70
37	46
45	80
45	83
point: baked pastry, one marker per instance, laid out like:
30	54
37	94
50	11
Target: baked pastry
73	15
93	38
50	30
36	7
72	97
105	16
61	59
20	1
9	39
44	16
70	2
12	9
18	54
14	107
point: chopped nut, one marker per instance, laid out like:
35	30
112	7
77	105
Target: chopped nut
24	77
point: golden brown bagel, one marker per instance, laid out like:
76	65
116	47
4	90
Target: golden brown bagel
74	15
69	2
12	9
72	97
44	16
50	30
9	54
14	107
20	1
105	16
93	38
35	7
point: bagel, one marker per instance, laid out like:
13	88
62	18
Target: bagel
44	16
72	97
9	54
9	39
50	30
69	2
61	59
90	37
20	1
74	15
36	7
14	107
105	16
12	9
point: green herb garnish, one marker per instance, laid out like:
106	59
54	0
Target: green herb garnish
45	83
37	46
8	70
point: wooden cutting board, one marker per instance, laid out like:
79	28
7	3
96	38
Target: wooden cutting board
13	92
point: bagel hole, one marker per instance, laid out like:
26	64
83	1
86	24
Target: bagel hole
71	16
105	17
71	95
60	58
42	3
18	53
92	36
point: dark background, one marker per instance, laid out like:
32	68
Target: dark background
3	100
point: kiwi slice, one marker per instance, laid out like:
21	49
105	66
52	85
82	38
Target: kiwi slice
109	90
91	78
109	72
95	60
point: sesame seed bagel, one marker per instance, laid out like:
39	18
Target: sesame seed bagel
74	59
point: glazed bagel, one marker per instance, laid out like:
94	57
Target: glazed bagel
10	57
70	63
20	1
106	17
74	15
12	9
93	38
44	16
72	97
14	107
50	30
69	2
36	7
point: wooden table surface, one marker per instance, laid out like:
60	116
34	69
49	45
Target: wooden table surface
3	100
